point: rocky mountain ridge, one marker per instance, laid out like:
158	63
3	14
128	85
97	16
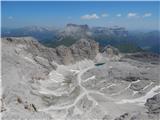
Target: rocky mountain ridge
82	49
84	31
126	41
115	30
70	31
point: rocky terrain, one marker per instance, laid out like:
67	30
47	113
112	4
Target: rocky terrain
77	82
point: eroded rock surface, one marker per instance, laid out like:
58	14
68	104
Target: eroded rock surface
66	83
153	104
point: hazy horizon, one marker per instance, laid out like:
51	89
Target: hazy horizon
131	15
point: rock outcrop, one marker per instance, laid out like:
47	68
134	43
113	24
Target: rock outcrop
153	104
111	53
29	45
82	49
65	55
85	49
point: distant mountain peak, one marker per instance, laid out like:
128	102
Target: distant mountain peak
36	28
85	26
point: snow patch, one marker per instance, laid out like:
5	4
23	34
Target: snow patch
29	59
90	78
56	77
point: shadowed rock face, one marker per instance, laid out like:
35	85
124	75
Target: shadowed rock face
65	54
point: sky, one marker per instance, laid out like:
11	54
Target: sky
131	15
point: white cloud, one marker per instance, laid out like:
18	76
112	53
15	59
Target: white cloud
119	15
147	15
90	16
132	14
104	15
10	17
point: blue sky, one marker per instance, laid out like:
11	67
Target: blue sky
132	15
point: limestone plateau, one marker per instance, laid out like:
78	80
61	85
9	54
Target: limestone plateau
79	82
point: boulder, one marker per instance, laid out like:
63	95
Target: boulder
153	104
